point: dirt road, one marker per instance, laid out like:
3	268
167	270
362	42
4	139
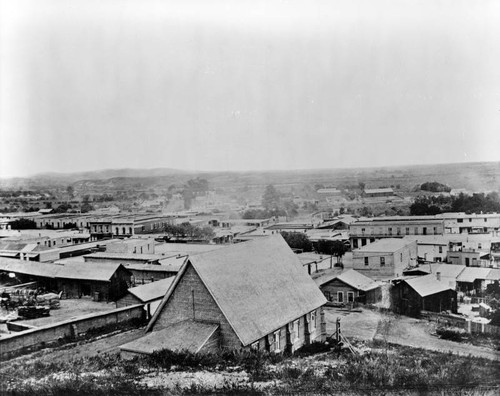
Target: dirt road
367	325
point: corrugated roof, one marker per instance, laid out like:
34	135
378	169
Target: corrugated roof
187	335
259	286
152	291
385	245
426	285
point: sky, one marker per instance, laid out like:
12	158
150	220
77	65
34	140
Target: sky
247	85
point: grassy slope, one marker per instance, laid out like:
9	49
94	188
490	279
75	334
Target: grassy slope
382	369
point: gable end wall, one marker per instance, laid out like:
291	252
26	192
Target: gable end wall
179	307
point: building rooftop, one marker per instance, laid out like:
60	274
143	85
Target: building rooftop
378	190
259	286
386	245
350	277
170	249
126	256
69	270
152	291
426	285
187	335
470	274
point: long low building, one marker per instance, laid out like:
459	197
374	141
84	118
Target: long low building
106	281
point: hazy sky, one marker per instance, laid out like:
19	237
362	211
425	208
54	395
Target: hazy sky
240	85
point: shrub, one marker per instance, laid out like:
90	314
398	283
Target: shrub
451	333
313	348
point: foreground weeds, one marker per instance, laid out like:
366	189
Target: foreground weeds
387	370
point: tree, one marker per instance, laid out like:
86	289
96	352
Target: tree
271	198
333	248
70	190
435	187
297	240
23	224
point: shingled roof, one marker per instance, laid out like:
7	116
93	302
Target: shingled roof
259	285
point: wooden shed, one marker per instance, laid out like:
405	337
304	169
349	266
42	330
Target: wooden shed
410	296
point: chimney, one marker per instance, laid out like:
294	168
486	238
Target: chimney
438	276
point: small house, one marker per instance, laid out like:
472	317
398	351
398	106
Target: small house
348	287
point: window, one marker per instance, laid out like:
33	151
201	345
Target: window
401	257
382	261
435	230
296	329
277	341
350	296
460	220
398	231
313	320
355	243
440	249
470	220
390	231
485	220
407	232
255	346
363	230
328	296
366	260
424	230
340	297
416	230
363	241
479	246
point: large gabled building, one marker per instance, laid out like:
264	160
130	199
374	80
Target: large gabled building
249	295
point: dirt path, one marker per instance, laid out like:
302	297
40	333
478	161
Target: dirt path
106	344
417	333
361	324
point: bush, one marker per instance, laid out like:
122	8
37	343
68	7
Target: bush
451	333
313	348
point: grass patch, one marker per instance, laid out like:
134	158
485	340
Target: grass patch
392	370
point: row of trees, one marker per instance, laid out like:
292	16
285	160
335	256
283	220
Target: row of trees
300	241
274	205
474	203
187	230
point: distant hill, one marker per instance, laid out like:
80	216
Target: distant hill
478	176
